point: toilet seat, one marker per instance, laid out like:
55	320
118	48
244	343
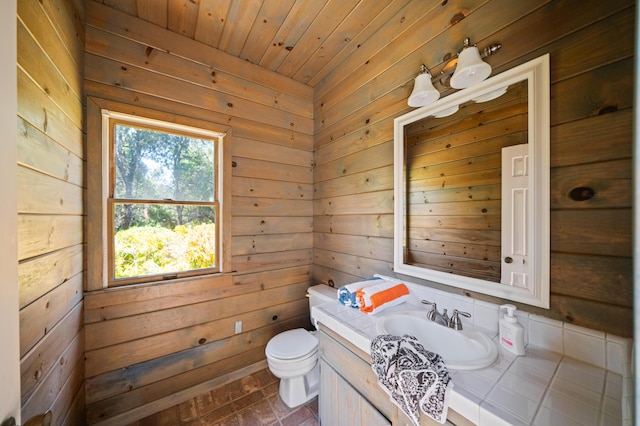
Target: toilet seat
292	345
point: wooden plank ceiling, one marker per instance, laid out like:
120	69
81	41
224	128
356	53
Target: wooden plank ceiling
301	39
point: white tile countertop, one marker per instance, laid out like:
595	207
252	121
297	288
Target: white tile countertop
569	375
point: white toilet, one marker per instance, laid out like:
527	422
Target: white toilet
292	355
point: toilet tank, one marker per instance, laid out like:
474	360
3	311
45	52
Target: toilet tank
319	294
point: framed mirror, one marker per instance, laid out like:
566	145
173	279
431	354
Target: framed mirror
471	187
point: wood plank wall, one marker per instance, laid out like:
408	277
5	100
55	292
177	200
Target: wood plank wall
50	37
149	346
591	137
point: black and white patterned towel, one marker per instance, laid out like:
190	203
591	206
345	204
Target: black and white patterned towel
415	378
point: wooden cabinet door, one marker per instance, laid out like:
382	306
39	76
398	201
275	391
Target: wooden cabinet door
340	404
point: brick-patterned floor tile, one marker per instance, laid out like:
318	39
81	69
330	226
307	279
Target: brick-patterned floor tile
188	410
245	401
250	401
265	412
298	417
248	417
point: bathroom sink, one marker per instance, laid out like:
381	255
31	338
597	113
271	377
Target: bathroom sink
467	349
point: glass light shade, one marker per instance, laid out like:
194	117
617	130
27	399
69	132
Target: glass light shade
471	69
423	91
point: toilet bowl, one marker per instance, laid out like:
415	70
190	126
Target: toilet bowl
292	356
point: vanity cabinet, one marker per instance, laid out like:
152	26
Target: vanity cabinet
349	390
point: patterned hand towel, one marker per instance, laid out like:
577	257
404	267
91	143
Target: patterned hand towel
347	293
374	299
415	378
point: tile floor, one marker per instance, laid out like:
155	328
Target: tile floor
250	401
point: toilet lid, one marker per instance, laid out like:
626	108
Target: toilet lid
292	344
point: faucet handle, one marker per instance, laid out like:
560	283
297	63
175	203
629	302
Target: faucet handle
434	309
455	322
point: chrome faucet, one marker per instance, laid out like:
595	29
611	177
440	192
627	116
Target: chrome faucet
443	318
435	316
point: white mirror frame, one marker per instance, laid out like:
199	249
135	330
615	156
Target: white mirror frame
536	293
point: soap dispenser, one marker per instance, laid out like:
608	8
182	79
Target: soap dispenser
511	331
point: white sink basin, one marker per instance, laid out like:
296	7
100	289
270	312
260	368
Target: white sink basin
467	349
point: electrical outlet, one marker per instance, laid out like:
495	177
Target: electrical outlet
238	327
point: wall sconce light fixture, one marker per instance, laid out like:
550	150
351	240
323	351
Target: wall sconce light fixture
465	70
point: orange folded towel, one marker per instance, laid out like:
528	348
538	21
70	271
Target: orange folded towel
379	297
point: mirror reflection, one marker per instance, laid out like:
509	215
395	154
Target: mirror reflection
471	187
453	183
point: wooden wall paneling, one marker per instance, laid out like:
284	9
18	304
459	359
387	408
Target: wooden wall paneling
363	138
272	132
400	65
251	225
41	28
146	33
68	374
604	279
356	266
146	372
379	179
587	37
44	273
152	347
259	150
601	231
249	206
48	354
128	52
579	129
410	16
378	156
38	318
40	234
126	301
68	19
37	64
248	187
247	167
269	243
106	333
37	151
185	92
269	279
380	225
44	194
50	206
35	107
380	202
269	261
580	141
610	180
375	248
165	393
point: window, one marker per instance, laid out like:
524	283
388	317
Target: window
162	199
